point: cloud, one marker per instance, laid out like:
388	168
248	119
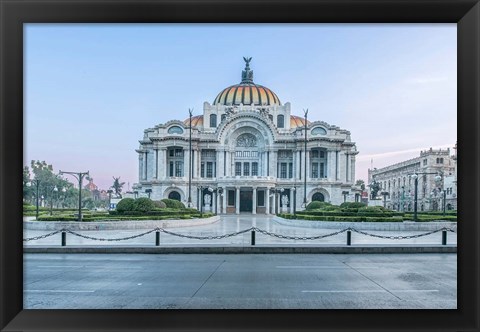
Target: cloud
426	80
398	153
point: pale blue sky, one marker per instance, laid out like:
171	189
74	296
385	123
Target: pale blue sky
91	89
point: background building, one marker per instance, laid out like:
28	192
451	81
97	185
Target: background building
398	186
247	155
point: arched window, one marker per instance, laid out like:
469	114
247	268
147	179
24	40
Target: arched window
174	195
280	121
318	197
213	120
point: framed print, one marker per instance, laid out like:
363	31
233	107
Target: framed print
205	23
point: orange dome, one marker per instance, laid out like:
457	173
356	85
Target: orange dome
247	92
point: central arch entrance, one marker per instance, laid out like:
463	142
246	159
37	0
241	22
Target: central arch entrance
246	200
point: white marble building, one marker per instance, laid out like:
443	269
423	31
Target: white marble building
247	155
436	170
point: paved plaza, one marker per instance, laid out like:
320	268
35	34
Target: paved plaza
288	281
232	224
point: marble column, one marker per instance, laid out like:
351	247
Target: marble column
237	200
254	199
267	201
352	168
145	171
291	200
155	164
224	205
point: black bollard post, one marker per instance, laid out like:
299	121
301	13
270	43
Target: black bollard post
349	238
444	238
157	238
253	238
64	239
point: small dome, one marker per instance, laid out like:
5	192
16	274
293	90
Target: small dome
297	121
247	92
197	121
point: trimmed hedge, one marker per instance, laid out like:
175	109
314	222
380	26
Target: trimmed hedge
143	204
342	218
352	205
126	204
119	218
173	203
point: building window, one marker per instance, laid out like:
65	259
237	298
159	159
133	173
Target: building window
424	162
179	168
290	170
322	170
314	170
231	198
246	169
175	162
318	197
202	170
280	121
439	160
213	120
209	169
260	198
174	195
238	169
254	168
283	170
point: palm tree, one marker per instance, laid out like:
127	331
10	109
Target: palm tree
117	186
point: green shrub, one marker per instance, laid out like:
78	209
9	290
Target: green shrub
352	205
126	204
143	204
159	204
318	205
173	203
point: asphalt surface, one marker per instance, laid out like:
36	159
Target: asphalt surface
261	281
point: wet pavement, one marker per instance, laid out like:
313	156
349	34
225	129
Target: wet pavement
289	281
233	224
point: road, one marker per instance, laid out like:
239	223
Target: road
282	281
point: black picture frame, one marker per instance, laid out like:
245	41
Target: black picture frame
14	13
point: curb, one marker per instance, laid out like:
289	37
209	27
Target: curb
354	249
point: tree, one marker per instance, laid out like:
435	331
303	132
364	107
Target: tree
47	181
117	186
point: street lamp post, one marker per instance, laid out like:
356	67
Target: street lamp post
37	184
415	199
54	190
305	165
190	112
79	176
148	192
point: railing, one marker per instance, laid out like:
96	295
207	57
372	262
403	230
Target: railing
252	231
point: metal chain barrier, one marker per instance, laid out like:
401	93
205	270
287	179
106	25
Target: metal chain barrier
286	237
42	236
251	229
115	239
401	237
212	237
